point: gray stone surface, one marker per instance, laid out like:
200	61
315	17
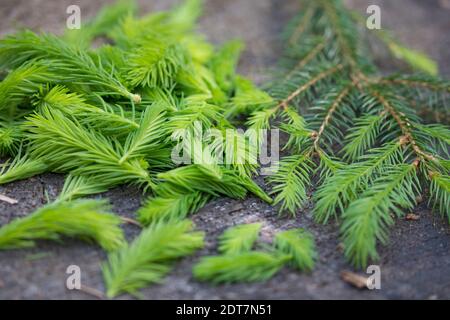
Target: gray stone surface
415	265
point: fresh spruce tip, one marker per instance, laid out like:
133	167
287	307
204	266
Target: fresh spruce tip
238	262
112	115
89	220
149	258
116	119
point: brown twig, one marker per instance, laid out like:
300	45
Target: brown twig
354	279
412	217
131	221
92	292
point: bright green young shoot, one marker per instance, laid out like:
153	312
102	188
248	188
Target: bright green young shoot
149	258
299	244
245	267
239	239
88	220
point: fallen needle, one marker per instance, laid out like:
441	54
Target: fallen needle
8	199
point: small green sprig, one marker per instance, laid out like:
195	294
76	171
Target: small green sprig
299	245
239	263
149	258
88	220
239	239
246	267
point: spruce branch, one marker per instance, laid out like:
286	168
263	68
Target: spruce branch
358	130
428	83
365	135
366	220
433	138
336	103
295	126
343	31
306	59
404	124
320	76
344	186
301	24
440	193
291	182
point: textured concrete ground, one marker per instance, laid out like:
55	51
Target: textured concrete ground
415	265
